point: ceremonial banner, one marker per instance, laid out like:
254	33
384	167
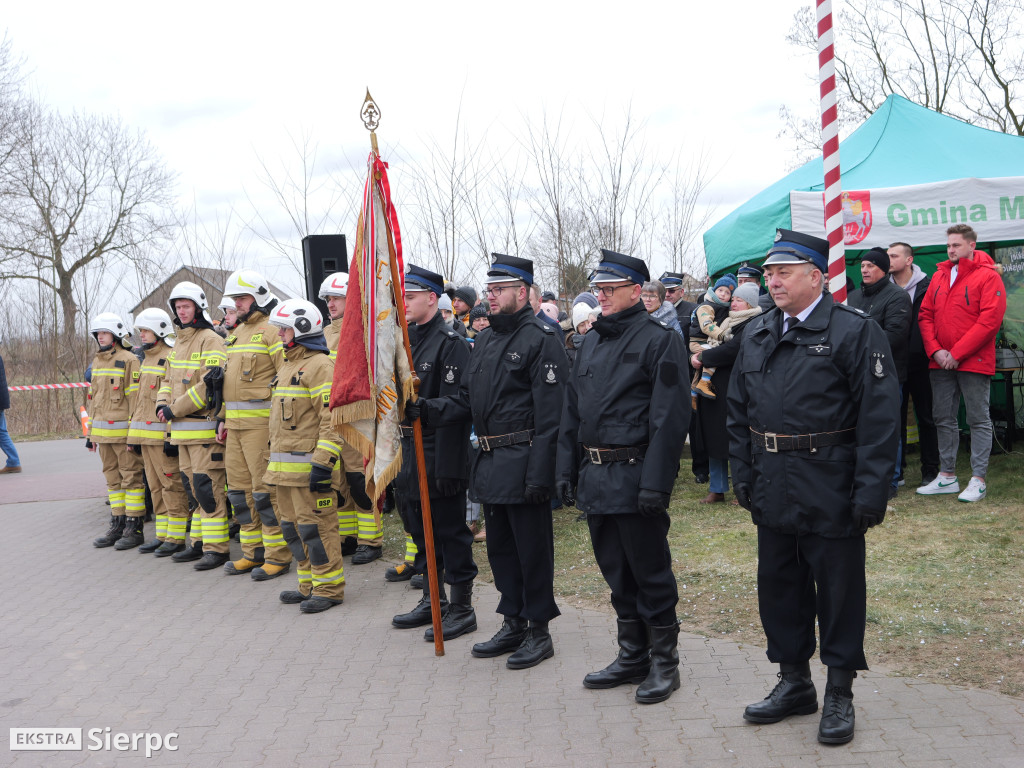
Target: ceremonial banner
920	214
372	379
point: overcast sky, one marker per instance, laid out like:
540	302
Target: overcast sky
216	83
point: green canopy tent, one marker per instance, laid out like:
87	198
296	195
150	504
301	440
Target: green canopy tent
907	174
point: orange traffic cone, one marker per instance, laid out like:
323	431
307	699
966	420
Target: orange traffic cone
85	422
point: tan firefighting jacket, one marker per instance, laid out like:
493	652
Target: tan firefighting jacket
331	334
146	428
196	350
300	418
255	355
110	407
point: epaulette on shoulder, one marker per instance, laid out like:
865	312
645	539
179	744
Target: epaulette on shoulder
452	334
854	310
545	326
659	323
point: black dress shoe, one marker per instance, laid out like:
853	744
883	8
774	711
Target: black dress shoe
701	478
535	648
837	717
505	640
793	695
151	546
212	560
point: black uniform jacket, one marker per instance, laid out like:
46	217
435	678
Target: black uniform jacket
890	307
440	357
832	372
711	414
514	383
628	388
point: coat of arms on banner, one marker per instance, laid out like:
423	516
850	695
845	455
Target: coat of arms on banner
856	216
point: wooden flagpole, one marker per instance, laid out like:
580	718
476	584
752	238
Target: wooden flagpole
371	118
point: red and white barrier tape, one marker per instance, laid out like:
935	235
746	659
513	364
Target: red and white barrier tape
34	387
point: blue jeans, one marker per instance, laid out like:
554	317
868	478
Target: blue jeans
6	444
719	472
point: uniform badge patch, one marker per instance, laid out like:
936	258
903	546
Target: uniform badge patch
324	503
820	349
876	365
451	372
425	366
256	337
550	377
231	340
514	357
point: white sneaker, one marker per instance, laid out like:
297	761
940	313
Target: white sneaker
941	484
975	490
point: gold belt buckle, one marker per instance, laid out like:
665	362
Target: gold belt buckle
771	444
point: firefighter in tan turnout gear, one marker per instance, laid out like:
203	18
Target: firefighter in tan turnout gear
357	515
113	370
304	454
183	402
148	435
255	355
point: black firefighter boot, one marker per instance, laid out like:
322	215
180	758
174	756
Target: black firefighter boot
663	678
836	725
633	662
793	695
132	536
113	533
535	648
420	615
505	640
460	618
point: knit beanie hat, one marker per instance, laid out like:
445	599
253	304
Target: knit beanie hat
728	280
467	293
587	298
879	257
749	292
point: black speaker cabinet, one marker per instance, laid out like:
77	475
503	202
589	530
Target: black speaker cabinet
322	255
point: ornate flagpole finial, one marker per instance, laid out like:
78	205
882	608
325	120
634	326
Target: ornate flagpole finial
370	114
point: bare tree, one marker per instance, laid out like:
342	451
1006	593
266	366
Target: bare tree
962	58
309	199
81	189
680	220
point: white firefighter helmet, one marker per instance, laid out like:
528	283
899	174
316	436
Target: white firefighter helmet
300	315
247	281
187	290
109	321
227	304
335	284
155	320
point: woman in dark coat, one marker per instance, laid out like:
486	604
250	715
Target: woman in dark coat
711	414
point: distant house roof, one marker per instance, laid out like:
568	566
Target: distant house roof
209	279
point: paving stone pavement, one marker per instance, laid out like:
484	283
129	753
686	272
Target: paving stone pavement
96	638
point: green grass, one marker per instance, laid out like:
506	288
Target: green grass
945	579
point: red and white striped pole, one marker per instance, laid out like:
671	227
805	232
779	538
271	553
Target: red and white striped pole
830	154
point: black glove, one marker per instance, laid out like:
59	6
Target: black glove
537	494
864	518
448	486
136	449
320	479
566	492
742	491
413	409
88	444
652	503
214	378
166	411
357	487
171	451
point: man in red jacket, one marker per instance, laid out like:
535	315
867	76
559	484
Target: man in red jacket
959	319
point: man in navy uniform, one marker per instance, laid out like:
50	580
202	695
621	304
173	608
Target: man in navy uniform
813	417
623	427
439	356
512	391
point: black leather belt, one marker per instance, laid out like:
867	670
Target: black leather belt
772	442
608	455
490	442
406	431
